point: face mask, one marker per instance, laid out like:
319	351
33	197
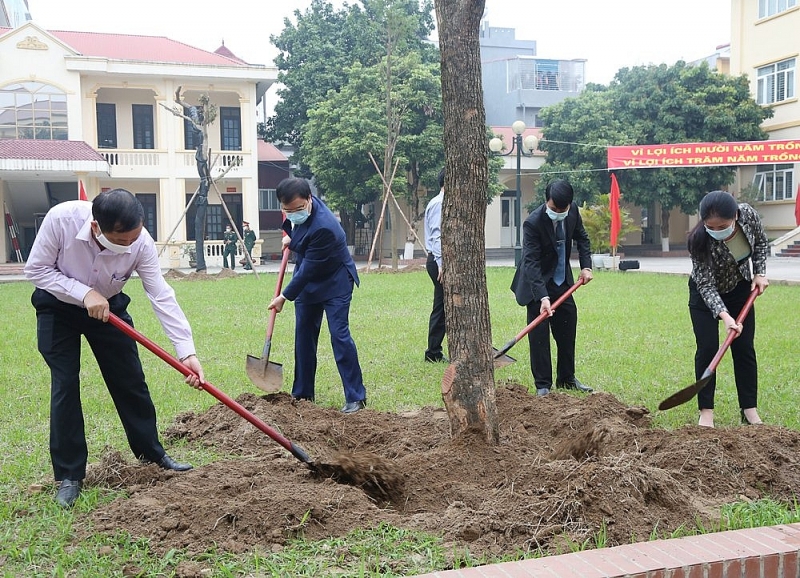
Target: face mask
298	217
554	216
723	234
113	247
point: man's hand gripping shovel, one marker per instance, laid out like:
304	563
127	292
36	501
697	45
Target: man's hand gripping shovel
500	357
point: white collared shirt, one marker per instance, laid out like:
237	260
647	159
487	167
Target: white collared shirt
67	262
433	227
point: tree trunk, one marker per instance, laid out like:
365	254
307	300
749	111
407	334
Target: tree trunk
202	203
665	228
468	387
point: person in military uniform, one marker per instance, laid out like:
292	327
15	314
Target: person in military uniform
229	244
249	243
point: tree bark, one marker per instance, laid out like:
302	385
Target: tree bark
665	228
468	387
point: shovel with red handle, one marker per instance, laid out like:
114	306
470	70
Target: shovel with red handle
500	357
294	449
688	393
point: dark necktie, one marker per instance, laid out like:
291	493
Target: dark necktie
561	266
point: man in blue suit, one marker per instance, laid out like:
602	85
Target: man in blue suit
544	275
322	282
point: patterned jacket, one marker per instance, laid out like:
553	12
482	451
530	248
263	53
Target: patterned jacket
723	273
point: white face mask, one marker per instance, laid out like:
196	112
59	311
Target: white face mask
113	247
554	216
723	234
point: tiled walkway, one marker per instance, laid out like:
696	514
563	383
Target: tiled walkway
770	552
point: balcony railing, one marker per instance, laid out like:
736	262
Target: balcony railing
154	163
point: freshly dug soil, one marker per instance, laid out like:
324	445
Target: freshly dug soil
565	466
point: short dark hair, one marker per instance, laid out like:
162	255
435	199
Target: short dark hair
561	192
440	178
117	211
291	188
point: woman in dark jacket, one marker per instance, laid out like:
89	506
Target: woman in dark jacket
725	243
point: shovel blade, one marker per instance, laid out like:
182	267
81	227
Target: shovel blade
685	394
266	375
501	359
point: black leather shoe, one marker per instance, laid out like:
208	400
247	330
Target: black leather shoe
167	463
68	492
574	385
542	391
436	359
302	398
354	406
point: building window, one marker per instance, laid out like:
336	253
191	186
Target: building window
143	126
148	201
267	200
106	125
33	110
774	182
230	128
191	136
771	7
776	82
216	219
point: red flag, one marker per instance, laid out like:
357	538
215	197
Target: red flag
797	207
613	206
82	192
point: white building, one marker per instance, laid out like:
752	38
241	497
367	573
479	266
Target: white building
765	46
80	106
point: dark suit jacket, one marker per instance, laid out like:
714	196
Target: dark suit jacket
324	267
539	256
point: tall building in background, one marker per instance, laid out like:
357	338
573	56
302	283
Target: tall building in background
765	47
517	83
14	13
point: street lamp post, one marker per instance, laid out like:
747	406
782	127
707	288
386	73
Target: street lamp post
522	147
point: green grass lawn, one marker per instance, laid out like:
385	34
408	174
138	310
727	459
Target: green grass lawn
634	341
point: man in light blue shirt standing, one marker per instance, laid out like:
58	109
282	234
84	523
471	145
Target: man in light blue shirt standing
433	244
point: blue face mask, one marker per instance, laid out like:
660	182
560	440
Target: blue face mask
554	216
298	217
723	234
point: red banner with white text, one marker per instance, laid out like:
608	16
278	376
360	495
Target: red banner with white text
704	154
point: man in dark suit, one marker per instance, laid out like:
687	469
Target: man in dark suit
544	275
322	282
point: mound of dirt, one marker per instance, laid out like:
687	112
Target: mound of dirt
225	273
566	466
174	274
405	266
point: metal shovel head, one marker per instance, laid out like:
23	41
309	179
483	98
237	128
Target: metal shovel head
685	394
266	375
501	360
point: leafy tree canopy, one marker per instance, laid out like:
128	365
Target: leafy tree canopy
650	105
316	52
349	124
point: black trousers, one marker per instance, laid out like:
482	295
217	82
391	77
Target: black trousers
436	323
564	326
706	335
59	327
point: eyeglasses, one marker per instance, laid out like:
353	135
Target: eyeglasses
296	210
